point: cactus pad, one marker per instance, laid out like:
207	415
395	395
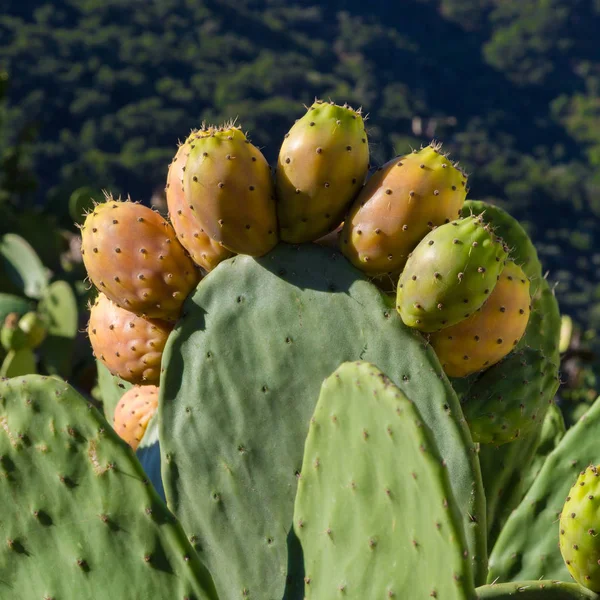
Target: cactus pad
79	520
534	590
398	207
450	274
373	519
322	164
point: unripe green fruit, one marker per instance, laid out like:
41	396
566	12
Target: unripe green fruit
34	328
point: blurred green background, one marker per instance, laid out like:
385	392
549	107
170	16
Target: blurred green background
94	94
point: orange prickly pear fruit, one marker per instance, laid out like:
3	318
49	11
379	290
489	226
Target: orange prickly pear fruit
205	252
399	205
132	255
322	164
492	332
133	412
228	185
130	346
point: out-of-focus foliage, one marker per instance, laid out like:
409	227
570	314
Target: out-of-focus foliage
512	88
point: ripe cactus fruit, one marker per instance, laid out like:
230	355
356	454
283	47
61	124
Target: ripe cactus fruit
133	412
580	528
399	205
372	528
228	186
511	398
450	274
131	347
322	164
79	519
490	333
132	255
205	252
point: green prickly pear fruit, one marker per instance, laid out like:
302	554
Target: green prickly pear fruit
132	255
34	328
228	186
580	529
489	334
322	164
133	413
450	274
130	346
399	205
11	336
205	252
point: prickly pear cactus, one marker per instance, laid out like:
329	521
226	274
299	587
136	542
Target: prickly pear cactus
251	323
79	519
347	501
205	252
534	590
132	255
450	274
511	398
130	346
228	186
580	527
322	164
492	332
133	412
398	207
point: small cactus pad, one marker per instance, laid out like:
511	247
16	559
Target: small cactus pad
79	519
534	590
133	412
400	204
205	252
490	333
580	529
322	164
131	347
227	184
132	255
511	398
528	545
248	360
522	250
373	519
450	274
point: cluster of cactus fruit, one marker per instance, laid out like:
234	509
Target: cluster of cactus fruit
302	428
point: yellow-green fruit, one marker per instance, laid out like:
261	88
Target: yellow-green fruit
132	255
34	328
228	185
322	164
400	204
133	413
488	335
130	346
579	537
205	252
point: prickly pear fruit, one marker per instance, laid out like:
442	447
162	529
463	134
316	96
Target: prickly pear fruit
11	335
228	186
132	255
450	274
511	398
580	529
205	252
130	346
133	412
489	334
322	164
34	328
399	205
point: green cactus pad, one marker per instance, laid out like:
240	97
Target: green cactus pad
527	547
10	303
23	266
18	362
373	518
111	389
522	250
243	370
450	274
534	590
511	398
79	520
